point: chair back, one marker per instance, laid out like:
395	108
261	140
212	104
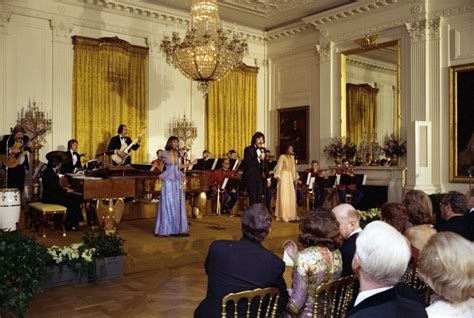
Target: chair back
411	278
267	297
332	299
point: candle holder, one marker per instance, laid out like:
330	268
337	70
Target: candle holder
185	130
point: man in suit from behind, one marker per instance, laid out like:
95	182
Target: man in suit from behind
349	228
73	161
381	257
235	266
454	207
121	140
253	173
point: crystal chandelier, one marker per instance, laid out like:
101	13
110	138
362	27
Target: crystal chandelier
207	52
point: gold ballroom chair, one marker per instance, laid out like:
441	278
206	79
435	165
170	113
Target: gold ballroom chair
332	299
270	295
411	278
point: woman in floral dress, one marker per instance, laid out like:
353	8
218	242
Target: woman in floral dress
319	262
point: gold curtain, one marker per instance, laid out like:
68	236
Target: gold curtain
110	87
361	111
231	116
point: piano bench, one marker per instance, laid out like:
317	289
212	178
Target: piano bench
47	210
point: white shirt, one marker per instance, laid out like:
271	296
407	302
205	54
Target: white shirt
259	152
354	232
123	140
442	308
74	158
363	295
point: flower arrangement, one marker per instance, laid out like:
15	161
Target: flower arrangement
368	216
394	146
349	149
75	253
334	149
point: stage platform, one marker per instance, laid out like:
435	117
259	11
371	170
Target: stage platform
147	252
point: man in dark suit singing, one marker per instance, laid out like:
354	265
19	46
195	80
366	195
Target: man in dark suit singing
381	257
235	266
253	171
73	158
117	143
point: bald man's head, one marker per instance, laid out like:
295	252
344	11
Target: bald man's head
347	217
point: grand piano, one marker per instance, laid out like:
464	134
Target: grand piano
136	182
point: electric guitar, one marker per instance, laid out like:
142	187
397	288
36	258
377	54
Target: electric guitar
120	160
13	160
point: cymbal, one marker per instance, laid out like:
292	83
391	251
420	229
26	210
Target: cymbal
60	155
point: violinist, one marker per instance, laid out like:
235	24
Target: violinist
157	164
230	194
319	194
351	189
13	151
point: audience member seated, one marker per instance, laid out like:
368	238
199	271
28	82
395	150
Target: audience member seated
453	210
53	193
394	214
351	189
349	229
381	257
420	216
319	194
318	263
234	266
230	194
446	264
470	203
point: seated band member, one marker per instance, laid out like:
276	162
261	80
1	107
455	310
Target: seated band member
73	161
53	193
158	163
121	140
230	195
320	194
343	189
232	154
16	145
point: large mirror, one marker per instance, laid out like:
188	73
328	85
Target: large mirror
370	89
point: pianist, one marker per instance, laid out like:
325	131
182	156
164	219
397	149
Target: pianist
53	193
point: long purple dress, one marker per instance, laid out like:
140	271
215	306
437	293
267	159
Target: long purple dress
171	211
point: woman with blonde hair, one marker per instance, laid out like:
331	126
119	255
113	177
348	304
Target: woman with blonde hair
446	264
420	215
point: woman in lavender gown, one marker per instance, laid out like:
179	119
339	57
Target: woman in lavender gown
171	212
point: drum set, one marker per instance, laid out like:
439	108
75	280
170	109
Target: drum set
10	207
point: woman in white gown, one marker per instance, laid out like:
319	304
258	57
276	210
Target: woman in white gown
285	173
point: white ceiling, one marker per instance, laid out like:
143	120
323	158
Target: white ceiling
260	14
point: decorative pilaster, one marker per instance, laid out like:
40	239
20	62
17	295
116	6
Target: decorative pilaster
4	20
418	71
434	96
62	82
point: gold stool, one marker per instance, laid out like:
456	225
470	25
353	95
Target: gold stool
47	210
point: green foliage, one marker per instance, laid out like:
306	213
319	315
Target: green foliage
23	263
365	217
105	245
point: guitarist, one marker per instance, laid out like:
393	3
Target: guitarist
121	141
14	145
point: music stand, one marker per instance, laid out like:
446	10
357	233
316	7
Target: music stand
108	152
325	182
348	180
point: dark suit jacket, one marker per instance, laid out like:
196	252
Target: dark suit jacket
115	144
11	142
253	172
458	224
68	167
388	304
52	191
234	266
347	251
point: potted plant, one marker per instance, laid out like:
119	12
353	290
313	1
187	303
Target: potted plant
365	217
99	256
394	148
23	263
335	150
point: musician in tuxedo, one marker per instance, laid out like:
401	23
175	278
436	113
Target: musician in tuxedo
230	194
201	163
122	140
320	193
245	264
254	155
13	145
73	158
343	189
53	192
